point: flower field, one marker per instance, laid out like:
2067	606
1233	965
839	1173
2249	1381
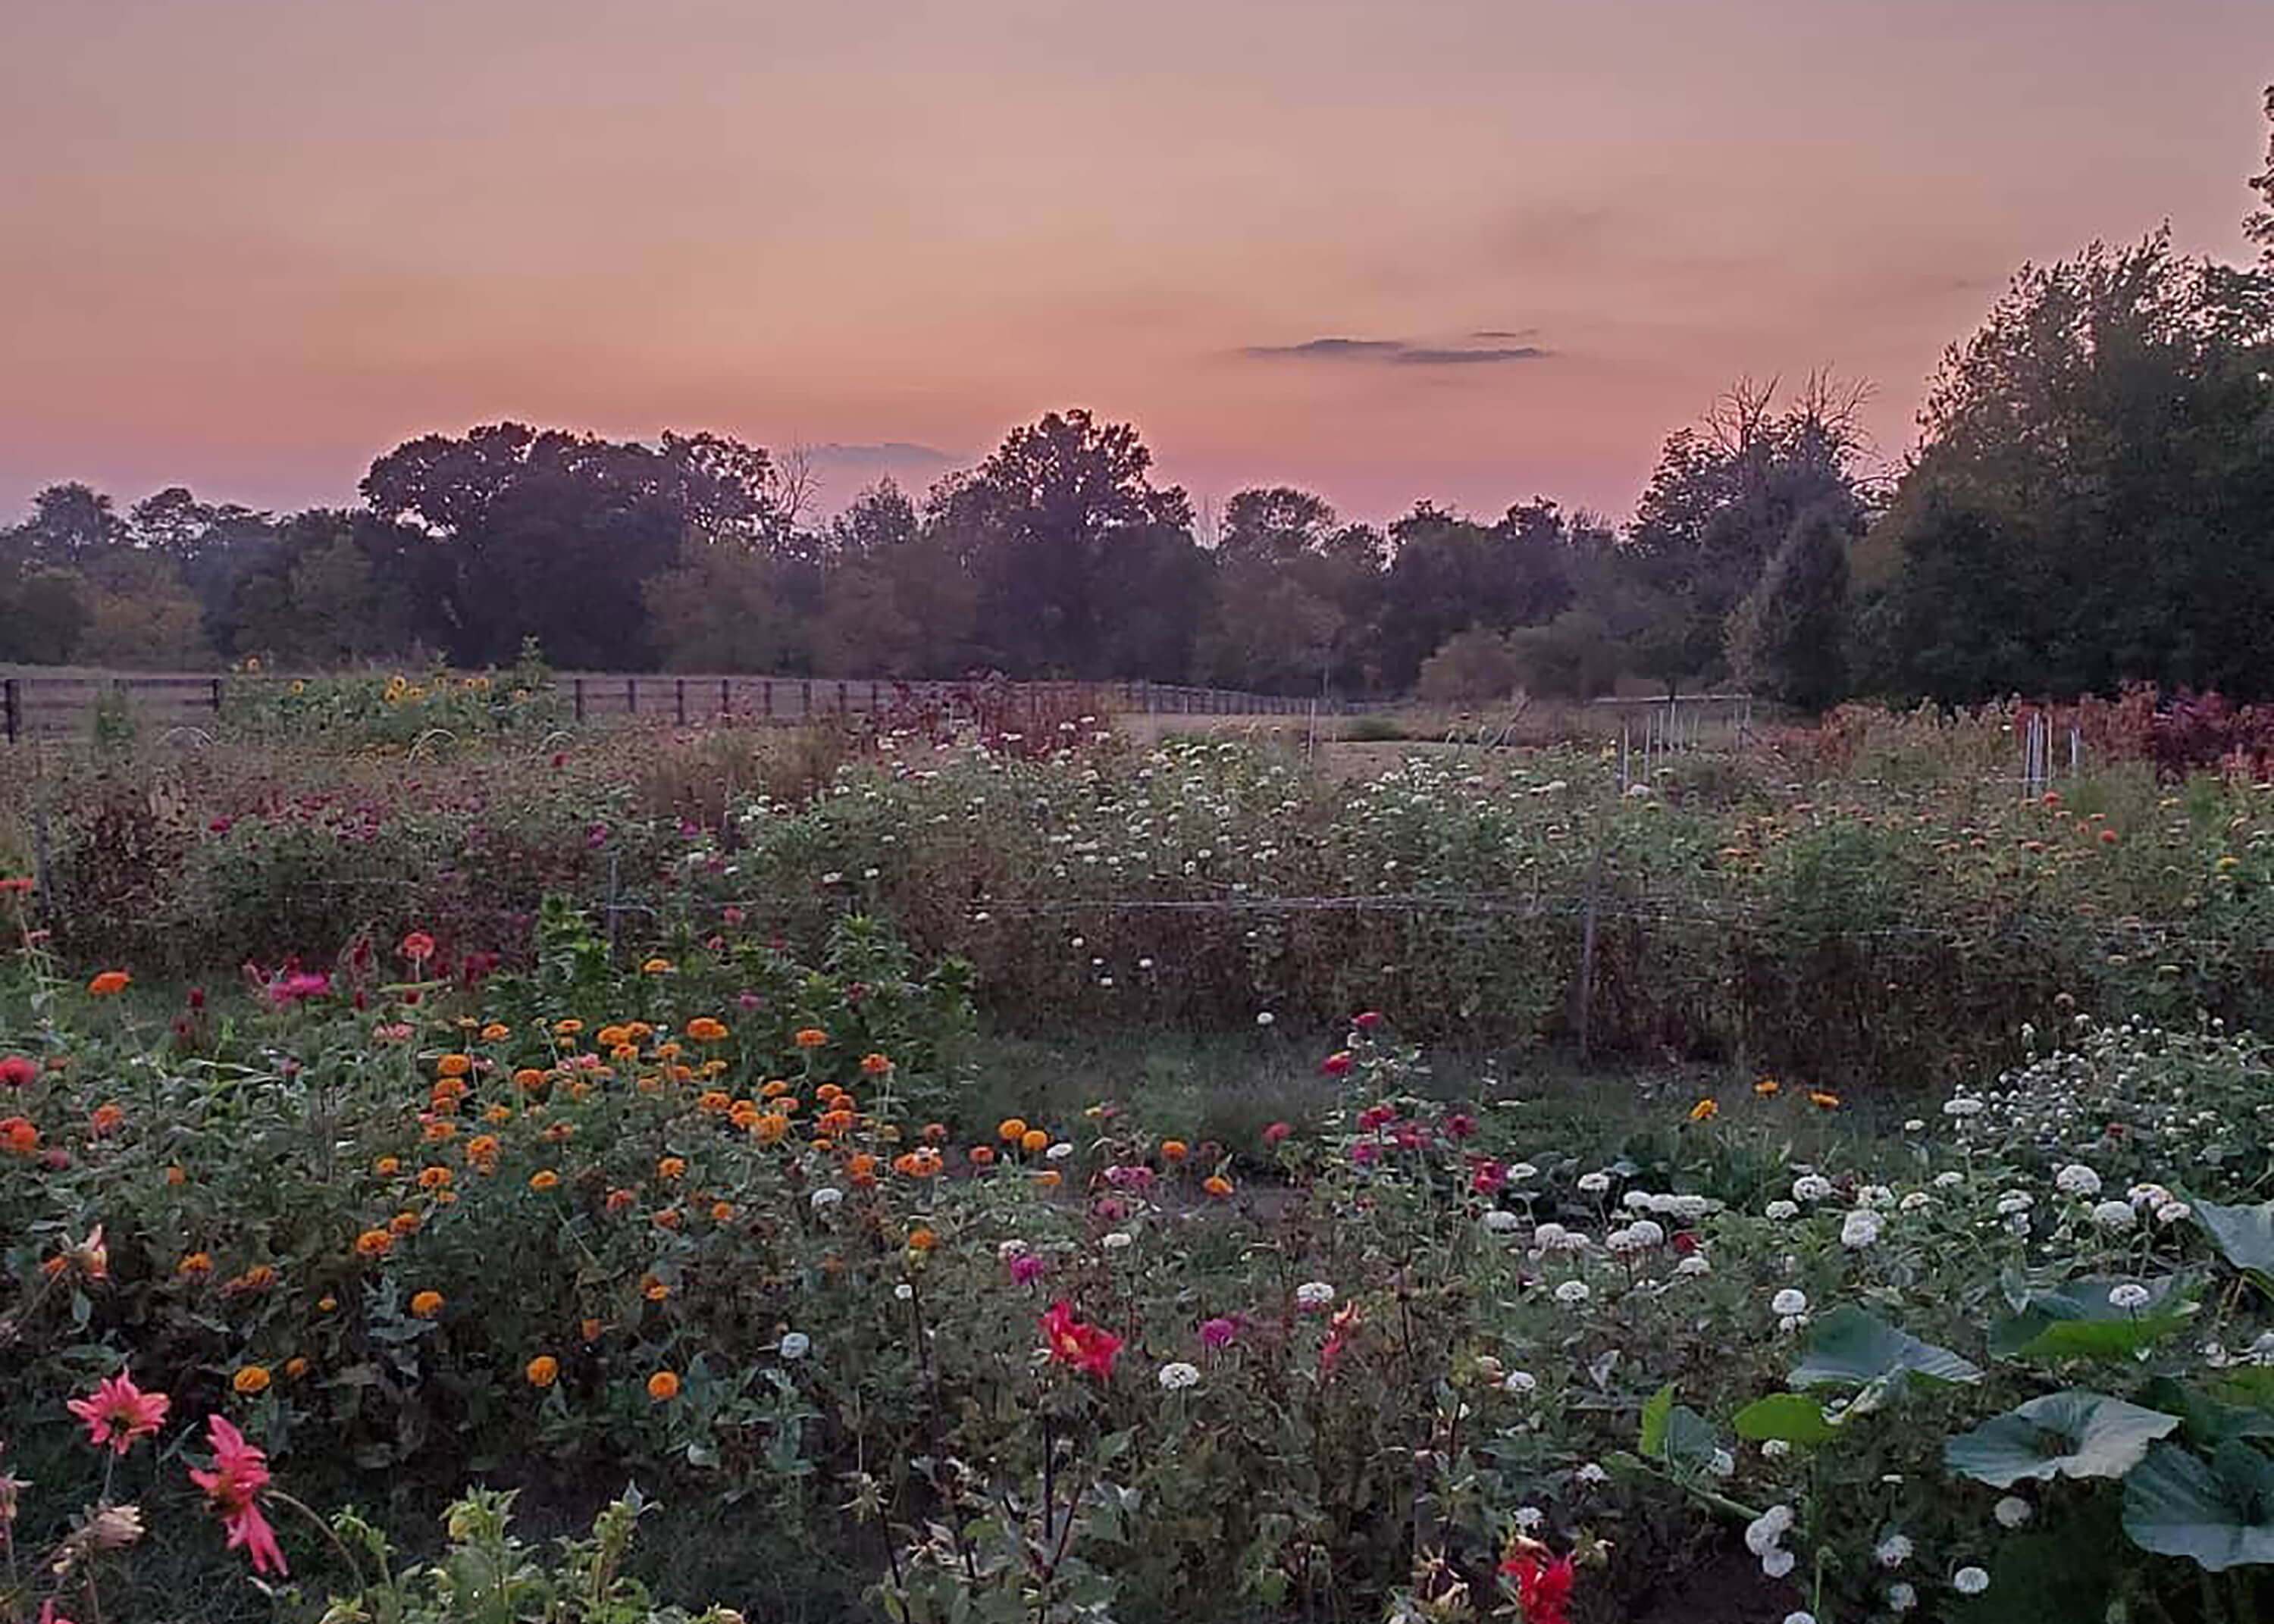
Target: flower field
650	1236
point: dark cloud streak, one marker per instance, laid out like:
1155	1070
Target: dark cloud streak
1399	351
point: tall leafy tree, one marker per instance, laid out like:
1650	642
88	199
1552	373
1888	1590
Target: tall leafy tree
2093	500
1043	524
1788	639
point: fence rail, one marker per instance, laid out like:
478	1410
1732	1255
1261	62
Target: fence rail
35	705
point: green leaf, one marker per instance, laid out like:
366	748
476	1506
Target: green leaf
2071	1434
2218	1514
2205	1420
1851	1348
1689	1441
2076	1319
1786	1415
2245	1237
1655	1415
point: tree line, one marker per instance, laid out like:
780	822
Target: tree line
2090	501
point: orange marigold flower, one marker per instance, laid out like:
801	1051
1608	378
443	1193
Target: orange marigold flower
20	1136
1034	1141
722	1212
433	1177
922	1240
1048	1178
618	1200
1174	1150
195	1264
1010	1129
590	1330
296	1367
982	1155
663	1386
107	1118
109	983
496	1031
810	1037
260	1277
744	1114
453	1066
668	1218
439	1132
1766	1087
774	1087
656	966
375	1243
624	1051
653	1287
175	1176
249	1380
543	1371
639	1031
875	1065
1216	1184
426	1305
1823	1100
770	1128
1705	1110
528	1079
860	1168
669	1051
328	1303
712	1067
671	1168
568	1028
612	1035
544	1178
714	1102
704	1029
405	1223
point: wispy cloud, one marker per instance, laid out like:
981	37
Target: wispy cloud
1400	352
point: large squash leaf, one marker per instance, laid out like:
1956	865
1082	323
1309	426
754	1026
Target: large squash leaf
2070	1434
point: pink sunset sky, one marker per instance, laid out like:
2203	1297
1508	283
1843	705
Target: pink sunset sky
246	245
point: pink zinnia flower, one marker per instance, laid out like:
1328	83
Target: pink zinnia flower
1365	1152
119	1412
1336	1064
1277	1131
1490	1178
1218	1333
1087	1347
240	1473
1367	1020
1026	1269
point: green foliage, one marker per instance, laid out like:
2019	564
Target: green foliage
1789	638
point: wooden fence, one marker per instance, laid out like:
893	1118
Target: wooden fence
38	704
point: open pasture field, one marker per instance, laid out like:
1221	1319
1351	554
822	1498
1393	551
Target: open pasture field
1071	1174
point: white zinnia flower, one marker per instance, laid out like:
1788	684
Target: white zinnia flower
2077	1179
2115	1216
1781	1211
1499	1221
1970	1581
1789	1301
1901	1597
1520	1382
1571	1292
1059	1152
2128	1297
1117	1240
1861	1228
1179	1374
1950	1179
826	1196
1811	1187
1594	1183
1314	1294
1548	1236
1894	1551
1005	1250
1776	1562
1763	1533
795	1345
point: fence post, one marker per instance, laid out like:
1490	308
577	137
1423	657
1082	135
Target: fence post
876	696
678	698
806	683
15	708
766	697
216	696
1586	991
631	695
727	696
577	688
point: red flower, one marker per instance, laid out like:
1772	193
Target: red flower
120	1412
1489	1178
1277	1131
1460	1125
1367	1020
1336	1064
240	1473
1085	1346
1543	1583
417	947
19	1072
1338	1336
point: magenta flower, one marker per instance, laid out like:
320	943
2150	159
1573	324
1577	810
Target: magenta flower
1026	1269
1217	1333
119	1413
234	1488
